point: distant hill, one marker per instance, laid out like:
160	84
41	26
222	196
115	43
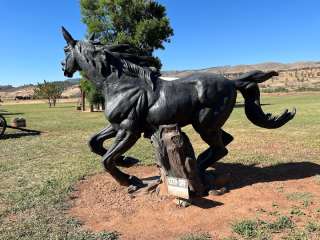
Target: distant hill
10	92
73	81
297	76
246	68
5	87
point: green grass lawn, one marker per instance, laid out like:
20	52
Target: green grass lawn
37	172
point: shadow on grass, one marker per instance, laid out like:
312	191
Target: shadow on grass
65	106
10	114
244	175
20	134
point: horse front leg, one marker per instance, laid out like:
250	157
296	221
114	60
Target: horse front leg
96	146
123	142
96	142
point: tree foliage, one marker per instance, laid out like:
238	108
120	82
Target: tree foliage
50	91
140	23
86	85
94	95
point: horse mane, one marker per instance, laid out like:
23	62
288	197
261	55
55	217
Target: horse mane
125	59
133	64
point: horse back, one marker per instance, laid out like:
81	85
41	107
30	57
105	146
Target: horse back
179	100
202	89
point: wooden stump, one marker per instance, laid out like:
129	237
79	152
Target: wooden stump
19	122
176	159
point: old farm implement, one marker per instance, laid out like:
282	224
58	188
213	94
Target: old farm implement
17	126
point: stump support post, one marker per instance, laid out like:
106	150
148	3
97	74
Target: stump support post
175	158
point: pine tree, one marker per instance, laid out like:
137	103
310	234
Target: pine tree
140	23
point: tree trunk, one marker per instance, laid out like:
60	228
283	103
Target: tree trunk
83	100
91	107
175	158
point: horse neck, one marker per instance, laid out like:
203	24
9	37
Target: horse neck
117	79
91	71
117	84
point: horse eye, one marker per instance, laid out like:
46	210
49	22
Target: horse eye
66	49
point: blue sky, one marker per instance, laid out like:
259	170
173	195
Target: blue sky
207	33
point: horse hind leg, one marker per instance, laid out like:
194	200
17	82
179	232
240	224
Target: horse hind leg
208	124
217	140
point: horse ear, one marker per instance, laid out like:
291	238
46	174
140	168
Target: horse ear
67	36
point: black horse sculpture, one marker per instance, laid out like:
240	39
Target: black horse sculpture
138	102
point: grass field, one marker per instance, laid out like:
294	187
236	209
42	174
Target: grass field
37	173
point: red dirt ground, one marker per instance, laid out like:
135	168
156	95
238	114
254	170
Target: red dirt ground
255	193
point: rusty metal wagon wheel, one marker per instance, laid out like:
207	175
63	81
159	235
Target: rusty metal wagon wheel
3	125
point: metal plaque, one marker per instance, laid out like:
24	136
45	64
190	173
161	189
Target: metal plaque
178	187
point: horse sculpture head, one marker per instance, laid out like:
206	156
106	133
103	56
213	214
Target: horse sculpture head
98	61
88	56
70	64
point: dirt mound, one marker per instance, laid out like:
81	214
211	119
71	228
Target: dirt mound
105	206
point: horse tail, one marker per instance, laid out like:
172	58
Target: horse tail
247	84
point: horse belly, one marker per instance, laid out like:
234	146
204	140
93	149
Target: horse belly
172	107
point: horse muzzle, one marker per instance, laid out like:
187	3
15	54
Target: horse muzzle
67	74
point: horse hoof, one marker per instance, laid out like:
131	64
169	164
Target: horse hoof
132	189
218	192
134	181
135	184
